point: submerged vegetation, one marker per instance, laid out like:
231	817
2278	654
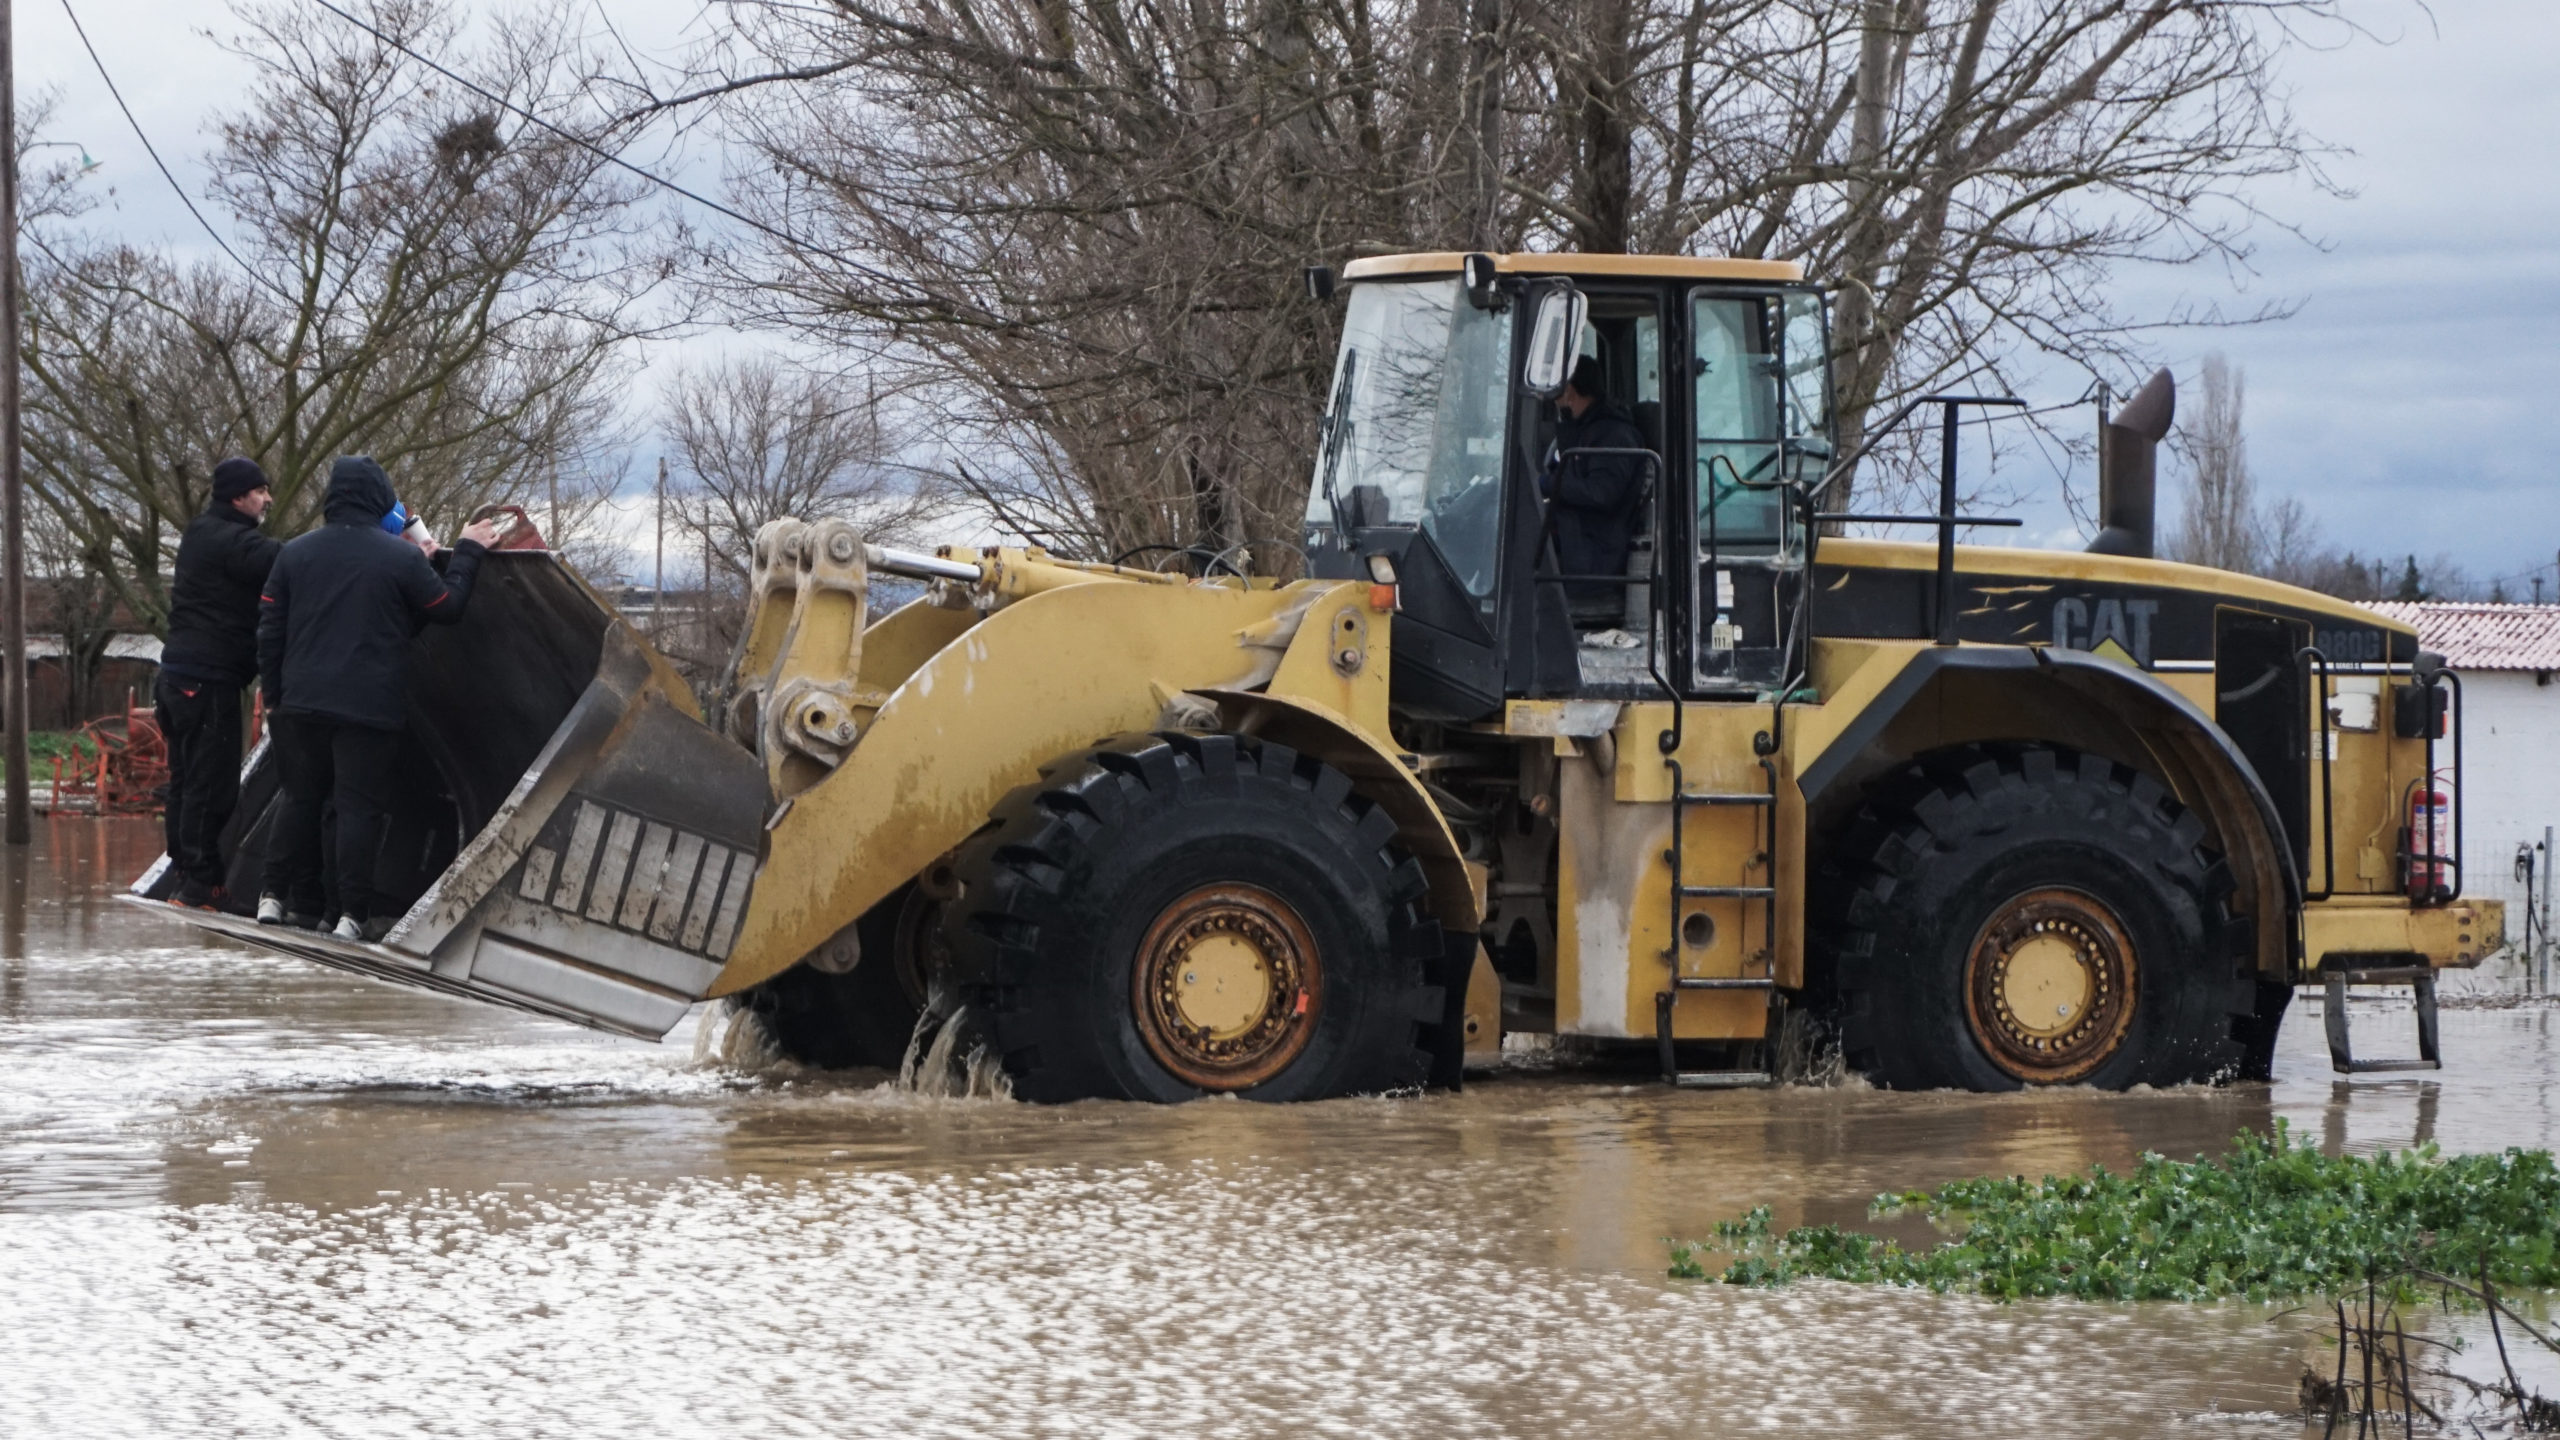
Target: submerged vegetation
2272	1220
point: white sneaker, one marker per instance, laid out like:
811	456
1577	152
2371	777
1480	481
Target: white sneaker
348	929
270	910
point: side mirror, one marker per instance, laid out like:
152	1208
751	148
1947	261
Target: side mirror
1483	277
1555	335
1319	280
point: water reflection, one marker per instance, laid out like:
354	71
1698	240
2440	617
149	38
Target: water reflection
15	862
241	1195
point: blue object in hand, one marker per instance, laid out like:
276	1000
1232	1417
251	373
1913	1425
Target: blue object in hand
396	519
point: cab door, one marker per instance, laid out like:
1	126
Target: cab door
1758	433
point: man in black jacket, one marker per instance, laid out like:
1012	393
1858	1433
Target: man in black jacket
211	653
1592	500
342	606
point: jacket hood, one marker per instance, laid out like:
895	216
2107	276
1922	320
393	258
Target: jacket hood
359	491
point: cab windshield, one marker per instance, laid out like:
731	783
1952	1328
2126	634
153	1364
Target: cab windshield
1416	410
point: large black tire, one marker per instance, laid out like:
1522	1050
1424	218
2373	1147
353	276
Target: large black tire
1986	877
1121	860
867	1015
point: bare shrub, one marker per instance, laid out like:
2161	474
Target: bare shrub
755	441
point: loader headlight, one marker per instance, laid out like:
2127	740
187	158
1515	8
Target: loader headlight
1382	569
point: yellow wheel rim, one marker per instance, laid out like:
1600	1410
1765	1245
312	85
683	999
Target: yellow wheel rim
2050	986
1226	986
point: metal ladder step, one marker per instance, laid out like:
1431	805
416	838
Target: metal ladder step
1701	1079
1664	1000
1720	1079
2420	979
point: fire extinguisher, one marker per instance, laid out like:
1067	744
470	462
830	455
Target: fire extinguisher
2428	868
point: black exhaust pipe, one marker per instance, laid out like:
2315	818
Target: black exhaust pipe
2128	468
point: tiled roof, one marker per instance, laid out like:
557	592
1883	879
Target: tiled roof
2483	637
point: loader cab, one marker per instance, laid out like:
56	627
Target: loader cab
1442	422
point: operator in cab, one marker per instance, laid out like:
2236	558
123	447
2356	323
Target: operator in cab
339	612
1593	501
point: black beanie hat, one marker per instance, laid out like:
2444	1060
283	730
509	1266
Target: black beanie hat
236	477
1586	380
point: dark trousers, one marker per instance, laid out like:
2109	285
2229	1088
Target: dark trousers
200	720
329	763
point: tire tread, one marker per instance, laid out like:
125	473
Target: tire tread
1943	805
1023	866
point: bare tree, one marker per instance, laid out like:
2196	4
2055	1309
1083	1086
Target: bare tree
2288	544
1977	169
1079	225
2223	524
2220	523
78	605
756	441
417	277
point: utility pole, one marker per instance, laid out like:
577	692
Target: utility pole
658	600
13	511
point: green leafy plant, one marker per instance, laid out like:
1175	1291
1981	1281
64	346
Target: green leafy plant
45	746
2271	1220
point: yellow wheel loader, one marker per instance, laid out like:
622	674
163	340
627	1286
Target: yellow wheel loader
1968	816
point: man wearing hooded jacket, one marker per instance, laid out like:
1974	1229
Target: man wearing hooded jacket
211	652
340	610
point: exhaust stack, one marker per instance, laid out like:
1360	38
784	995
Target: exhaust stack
2128	468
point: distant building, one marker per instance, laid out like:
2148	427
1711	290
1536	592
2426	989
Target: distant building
2507	656
126	670
86	652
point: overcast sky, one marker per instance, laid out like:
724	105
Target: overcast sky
2410	402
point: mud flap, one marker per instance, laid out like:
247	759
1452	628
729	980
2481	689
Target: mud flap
1451	970
598	878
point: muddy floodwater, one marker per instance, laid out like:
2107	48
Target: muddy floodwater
242	1195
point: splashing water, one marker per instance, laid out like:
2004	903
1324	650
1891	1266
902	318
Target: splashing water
729	1036
947	1057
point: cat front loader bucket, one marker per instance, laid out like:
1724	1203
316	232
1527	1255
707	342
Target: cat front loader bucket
568	836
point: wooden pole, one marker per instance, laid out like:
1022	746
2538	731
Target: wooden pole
658	600
20	828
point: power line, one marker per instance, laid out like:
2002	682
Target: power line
977	313
493	98
153	151
610	158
